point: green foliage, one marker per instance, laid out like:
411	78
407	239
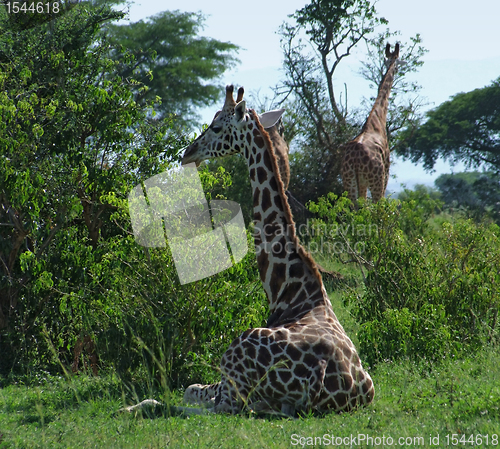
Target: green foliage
464	128
58	136
164	326
419	193
429	290
314	172
476	194
239	188
173	61
74	142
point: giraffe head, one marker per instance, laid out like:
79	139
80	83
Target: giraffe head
230	131
391	57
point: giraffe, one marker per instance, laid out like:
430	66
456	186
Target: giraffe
303	360
281	150
366	158
277	135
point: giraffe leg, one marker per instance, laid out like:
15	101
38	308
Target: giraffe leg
201	394
362	191
386	180
378	178
317	382
231	397
152	407
350	183
377	191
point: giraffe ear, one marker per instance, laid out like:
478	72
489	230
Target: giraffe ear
270	118
240	110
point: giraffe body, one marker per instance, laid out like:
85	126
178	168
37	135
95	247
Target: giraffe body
303	360
366	159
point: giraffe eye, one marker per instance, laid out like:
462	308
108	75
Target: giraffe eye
216	129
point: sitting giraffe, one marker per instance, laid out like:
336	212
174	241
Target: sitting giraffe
303	360
366	158
277	135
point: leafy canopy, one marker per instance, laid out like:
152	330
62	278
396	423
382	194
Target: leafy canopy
174	61
465	128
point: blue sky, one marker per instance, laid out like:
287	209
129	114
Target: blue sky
462	38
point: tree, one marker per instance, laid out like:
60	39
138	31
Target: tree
478	194
173	61
325	33
73	143
465	128
419	192
68	156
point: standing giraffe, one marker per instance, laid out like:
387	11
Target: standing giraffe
281	150
303	360
366	159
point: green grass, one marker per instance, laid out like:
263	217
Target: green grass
455	397
413	400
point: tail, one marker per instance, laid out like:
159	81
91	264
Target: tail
151	407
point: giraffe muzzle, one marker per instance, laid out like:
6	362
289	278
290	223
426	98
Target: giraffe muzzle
190	156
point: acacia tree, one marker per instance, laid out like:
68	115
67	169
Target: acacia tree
324	34
173	61
465	128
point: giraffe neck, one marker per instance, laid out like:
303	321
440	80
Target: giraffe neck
377	118
289	275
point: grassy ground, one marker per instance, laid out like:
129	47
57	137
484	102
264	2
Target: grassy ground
416	405
459	397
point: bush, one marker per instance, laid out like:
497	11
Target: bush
430	289
129	300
